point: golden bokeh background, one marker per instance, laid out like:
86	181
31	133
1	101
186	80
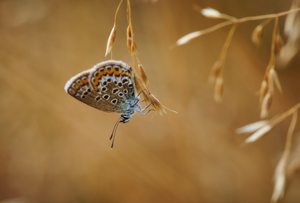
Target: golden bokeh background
55	149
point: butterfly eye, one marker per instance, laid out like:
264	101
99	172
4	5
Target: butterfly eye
124	81
130	86
109	80
125	91
103	89
104	83
120	84
121	94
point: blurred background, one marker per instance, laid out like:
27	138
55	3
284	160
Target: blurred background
54	149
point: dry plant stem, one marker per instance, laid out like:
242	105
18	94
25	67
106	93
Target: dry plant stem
129	13
117	11
218	79
284	115
136	63
216	27
265	22
130	39
288	144
112	36
270	76
246	19
227	43
280	172
267	16
273	46
140	76
258	129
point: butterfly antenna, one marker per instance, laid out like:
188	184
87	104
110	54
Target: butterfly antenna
113	134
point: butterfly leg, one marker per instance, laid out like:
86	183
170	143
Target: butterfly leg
113	134
146	109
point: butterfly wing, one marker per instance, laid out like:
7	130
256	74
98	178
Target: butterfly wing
79	88
115	79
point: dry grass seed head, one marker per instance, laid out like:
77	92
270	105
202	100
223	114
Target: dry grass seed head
133	47
260	128
156	103
143	74
130	42
215	71
252	127
263	90
278	43
265	105
188	37
111	40
292	31
274	77
259	133
279	179
270	82
211	13
257	34
219	89
129	32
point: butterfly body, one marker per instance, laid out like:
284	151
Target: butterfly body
108	86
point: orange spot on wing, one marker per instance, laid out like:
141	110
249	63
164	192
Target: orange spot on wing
111	71
116	73
125	73
84	82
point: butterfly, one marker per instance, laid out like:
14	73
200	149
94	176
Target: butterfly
108	86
